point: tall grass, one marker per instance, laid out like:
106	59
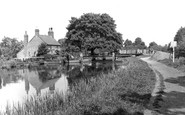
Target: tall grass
124	91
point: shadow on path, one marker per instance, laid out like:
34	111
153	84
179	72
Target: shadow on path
172	103
179	80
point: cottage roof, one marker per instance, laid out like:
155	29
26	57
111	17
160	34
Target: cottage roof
49	40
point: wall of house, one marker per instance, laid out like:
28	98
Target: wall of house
32	47
30	50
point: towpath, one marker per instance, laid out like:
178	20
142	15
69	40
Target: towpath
169	93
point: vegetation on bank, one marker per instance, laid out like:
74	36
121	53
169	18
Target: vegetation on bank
123	91
178	64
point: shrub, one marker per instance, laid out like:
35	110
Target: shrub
181	61
8	64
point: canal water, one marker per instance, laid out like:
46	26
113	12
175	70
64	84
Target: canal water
17	85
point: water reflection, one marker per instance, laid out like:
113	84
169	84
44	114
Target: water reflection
17	85
40	79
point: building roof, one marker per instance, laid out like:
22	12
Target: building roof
49	40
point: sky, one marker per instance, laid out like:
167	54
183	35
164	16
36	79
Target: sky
151	20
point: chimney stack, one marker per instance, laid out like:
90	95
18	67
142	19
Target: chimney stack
25	39
50	32
36	32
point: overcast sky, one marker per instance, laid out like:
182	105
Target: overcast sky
152	20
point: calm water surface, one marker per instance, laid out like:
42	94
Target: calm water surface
17	85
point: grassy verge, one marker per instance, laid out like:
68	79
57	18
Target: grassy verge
178	64
124	91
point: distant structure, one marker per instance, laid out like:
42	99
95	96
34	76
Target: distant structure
30	48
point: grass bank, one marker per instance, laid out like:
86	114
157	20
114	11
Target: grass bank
178	64
124	91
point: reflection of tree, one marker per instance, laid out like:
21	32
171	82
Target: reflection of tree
90	71
47	74
9	77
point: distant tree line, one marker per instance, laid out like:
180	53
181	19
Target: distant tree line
9	47
140	44
137	44
156	47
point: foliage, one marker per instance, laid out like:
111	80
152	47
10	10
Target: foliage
180	50
93	31
179	37
42	49
155	46
178	64
128	43
64	48
152	44
10	47
138	43
124	91
49	57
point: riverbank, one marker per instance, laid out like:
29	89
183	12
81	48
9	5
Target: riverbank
178	64
123	91
169	100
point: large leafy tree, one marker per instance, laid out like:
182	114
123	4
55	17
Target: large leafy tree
93	31
10	47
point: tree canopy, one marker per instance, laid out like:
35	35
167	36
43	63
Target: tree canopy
127	43
180	35
93	31
10	47
180	50
138	43
151	44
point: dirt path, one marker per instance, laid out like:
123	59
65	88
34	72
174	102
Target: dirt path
169	94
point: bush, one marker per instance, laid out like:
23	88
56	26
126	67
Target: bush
49	57
181	61
9	64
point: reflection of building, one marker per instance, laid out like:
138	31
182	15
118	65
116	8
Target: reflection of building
33	78
52	88
27	86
